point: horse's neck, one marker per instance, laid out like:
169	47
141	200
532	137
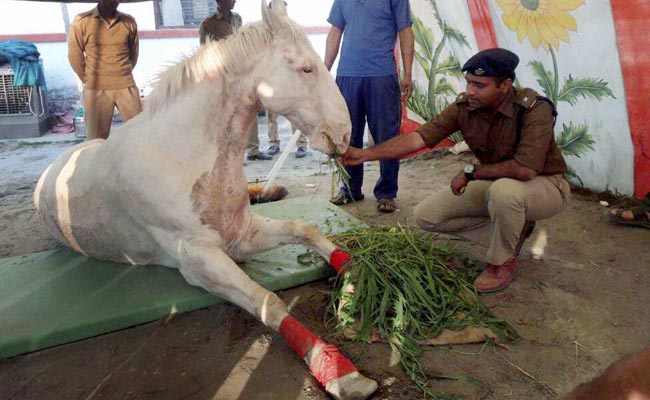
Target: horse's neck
212	118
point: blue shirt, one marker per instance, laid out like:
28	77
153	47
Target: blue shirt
370	30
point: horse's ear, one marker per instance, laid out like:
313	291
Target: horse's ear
279	7
272	11
268	16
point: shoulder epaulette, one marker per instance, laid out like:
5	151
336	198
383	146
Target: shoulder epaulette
81	16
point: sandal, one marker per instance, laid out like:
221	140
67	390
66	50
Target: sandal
639	216
386	206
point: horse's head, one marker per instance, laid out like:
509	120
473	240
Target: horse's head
294	82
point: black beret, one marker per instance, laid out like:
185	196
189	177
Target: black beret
493	62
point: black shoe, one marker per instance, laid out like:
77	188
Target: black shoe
273	150
344	198
301	152
261	156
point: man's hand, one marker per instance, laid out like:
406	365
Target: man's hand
406	88
353	156
458	183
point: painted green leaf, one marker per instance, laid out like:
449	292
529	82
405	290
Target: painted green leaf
444	88
584	87
544	78
419	102
423	62
572	174
575	140
450	66
455	35
424	38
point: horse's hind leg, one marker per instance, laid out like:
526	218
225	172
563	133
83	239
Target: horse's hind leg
208	266
270	233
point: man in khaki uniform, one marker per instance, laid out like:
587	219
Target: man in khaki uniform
519	179
103	50
216	27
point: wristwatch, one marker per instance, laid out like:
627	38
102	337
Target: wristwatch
469	171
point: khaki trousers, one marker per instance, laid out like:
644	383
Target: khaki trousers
99	106
274	139
253	147
493	212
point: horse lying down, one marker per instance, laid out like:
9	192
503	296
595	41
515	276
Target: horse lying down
169	188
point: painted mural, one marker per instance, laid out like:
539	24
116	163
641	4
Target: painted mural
568	53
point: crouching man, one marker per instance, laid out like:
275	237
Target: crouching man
518	180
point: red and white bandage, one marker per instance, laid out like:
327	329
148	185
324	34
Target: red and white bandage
325	361
339	260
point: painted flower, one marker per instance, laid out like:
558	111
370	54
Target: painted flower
545	22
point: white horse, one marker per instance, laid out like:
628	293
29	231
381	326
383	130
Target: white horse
169	188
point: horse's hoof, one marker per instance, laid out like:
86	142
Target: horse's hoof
351	387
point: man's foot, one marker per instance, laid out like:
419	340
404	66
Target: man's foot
636	216
273	150
260	156
345	198
386	206
301	152
496	277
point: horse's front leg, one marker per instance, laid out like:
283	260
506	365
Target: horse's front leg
267	233
204	264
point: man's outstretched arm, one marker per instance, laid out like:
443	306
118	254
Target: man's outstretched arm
391	149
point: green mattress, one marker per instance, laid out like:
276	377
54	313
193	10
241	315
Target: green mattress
61	296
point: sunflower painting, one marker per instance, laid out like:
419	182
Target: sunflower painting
545	23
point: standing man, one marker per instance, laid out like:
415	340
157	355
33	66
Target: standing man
217	26
103	50
367	78
519	178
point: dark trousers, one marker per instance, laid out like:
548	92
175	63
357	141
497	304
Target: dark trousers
377	100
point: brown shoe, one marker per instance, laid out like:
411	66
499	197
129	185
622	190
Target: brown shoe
496	277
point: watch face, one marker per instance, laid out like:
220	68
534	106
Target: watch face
469	169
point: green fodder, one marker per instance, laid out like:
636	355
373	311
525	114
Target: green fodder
340	176
405	291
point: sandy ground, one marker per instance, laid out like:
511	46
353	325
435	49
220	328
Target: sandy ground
579	309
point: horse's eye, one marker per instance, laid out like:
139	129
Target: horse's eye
306	70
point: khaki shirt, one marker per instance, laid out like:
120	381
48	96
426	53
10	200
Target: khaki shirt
103	55
493	139
217	26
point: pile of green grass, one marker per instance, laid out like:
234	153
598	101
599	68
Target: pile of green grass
405	291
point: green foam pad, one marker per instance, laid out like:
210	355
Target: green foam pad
59	296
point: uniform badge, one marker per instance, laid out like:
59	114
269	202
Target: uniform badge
479	72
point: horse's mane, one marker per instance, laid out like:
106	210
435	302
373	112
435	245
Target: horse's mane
218	58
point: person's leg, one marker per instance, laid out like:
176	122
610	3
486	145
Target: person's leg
274	140
128	102
462	215
302	140
98	113
511	203
352	90
384	114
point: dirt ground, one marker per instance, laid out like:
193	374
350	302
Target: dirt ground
579	309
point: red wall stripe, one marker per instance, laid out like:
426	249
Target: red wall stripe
631	21
479	11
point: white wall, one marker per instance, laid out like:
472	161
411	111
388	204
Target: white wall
27	17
